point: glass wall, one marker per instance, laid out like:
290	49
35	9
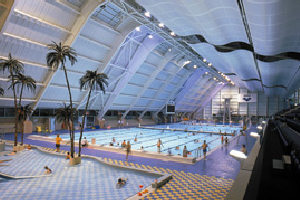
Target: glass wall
260	105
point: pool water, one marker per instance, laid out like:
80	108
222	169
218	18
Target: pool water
89	180
173	142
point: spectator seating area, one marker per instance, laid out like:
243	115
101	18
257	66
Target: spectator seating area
276	172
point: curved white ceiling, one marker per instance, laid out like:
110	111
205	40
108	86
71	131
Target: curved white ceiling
105	38
107	41
274	27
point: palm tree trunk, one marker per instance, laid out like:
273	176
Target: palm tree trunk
69	128
16	110
83	120
22	121
22	136
20	100
71	106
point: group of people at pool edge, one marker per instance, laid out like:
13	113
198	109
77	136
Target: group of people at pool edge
84	142
127	146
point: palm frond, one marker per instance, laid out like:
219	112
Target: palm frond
52	46
25	112
58	55
93	80
27	81
11	64
64	114
52	60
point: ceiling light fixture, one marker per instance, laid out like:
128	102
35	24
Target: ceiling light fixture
150	36
204	60
172	33
187	62
169	50
138	28
209	64
147	14
161	25
195	66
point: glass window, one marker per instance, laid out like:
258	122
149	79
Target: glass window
45	112
36	113
9	112
1	112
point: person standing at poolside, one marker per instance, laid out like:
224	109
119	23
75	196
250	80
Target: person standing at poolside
159	142
204	148
244	150
128	149
226	141
222	139
58	140
124	144
119	123
85	142
185	152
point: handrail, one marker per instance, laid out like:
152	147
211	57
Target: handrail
248	166
281	136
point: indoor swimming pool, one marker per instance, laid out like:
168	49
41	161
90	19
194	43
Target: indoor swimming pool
173	141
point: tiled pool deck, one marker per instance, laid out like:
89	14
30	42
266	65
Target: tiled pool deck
208	179
90	180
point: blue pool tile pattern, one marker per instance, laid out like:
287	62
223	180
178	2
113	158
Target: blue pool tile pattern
183	185
90	180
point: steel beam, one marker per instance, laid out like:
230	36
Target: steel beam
158	69
136	60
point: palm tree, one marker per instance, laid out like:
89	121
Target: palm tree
91	81
58	56
64	115
13	66
24	114
26	81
